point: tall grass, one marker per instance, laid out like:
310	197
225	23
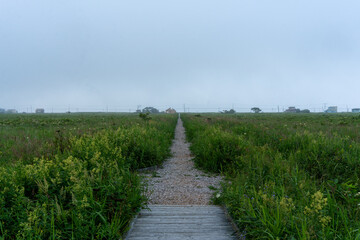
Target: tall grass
290	176
86	188
27	136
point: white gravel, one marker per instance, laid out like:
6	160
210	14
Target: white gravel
178	182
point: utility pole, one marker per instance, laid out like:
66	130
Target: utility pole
184	108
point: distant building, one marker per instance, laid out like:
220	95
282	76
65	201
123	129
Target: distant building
11	111
2	110
292	110
355	110
332	109
39	110
170	110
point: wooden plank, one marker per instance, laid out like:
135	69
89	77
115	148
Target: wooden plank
181	222
179	218
217	211
178	214
184	206
182	238
183	210
185	235
182	228
154	207
215	216
193	210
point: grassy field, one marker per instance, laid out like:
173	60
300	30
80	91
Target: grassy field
289	176
71	176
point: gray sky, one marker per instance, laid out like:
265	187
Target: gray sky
207	54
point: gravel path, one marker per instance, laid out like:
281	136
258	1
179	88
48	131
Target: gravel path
178	182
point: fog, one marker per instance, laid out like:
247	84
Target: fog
88	55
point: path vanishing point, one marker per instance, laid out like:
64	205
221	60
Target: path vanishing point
179	196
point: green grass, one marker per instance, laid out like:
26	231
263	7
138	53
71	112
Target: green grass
291	176
26	136
72	176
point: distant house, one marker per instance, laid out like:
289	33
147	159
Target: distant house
292	110
39	110
11	111
332	109
355	110
170	110
2	110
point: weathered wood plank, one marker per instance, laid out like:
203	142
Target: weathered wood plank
183	228
185	235
194	210
183	211
215	216
182	238
178	214
181	222
184	206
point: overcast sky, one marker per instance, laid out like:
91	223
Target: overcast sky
203	53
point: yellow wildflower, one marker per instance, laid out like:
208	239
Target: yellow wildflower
324	220
287	204
319	202
308	211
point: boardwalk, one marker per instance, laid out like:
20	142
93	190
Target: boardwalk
174	222
180	195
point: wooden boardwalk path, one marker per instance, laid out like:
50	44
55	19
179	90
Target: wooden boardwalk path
175	222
